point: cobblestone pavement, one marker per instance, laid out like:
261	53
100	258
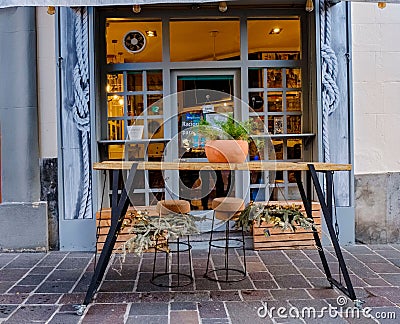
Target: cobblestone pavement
44	287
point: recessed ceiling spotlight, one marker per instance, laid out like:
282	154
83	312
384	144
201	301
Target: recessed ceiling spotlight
275	31
151	33
222	7
51	10
136	8
381	5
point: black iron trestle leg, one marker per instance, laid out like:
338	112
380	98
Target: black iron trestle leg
118	211
326	207
307	206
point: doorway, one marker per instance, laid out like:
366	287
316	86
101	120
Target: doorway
202	95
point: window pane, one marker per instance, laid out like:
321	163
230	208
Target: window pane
294	124
115	106
256	79
135	105
138	199
154	104
256	177
116	130
135	81
274	39
274	78
115	152
256	101
154	81
278	146
140	179
257	194
156	179
293	78
155	127
115	82
293	101
134	152
293	193
278	125
155	197
294	149
257	124
129	41
155	151
205	40
274	101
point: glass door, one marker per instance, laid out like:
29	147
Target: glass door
202	95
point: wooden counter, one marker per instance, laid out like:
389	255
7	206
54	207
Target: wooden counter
255	166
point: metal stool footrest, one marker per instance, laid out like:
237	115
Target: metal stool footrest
226	273
170	278
231	275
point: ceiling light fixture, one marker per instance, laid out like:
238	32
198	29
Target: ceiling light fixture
136	9
51	10
275	31
309	5
381	5
151	33
222	7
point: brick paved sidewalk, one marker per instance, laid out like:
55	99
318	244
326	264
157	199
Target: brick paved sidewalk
43	287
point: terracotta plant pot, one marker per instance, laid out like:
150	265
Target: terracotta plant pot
228	151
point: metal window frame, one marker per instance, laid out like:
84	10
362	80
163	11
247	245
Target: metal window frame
243	64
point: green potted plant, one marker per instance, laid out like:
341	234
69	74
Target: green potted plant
226	140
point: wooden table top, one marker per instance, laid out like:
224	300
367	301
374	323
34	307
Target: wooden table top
246	166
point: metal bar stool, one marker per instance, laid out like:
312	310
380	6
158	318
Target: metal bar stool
170	277
226	209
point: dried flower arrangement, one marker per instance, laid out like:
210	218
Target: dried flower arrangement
147	230
286	217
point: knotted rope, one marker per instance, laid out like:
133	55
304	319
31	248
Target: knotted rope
330	90
80	108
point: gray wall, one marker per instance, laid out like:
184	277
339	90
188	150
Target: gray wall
18	105
19	133
378	208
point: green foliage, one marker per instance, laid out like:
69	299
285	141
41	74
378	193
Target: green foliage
236	130
286	217
228	129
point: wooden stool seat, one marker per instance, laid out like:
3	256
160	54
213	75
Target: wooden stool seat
165	207
227	207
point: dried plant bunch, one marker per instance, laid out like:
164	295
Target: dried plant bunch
286	217
147	230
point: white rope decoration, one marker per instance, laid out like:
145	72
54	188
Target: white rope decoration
80	108
330	90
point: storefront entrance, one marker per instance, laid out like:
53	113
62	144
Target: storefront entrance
255	55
